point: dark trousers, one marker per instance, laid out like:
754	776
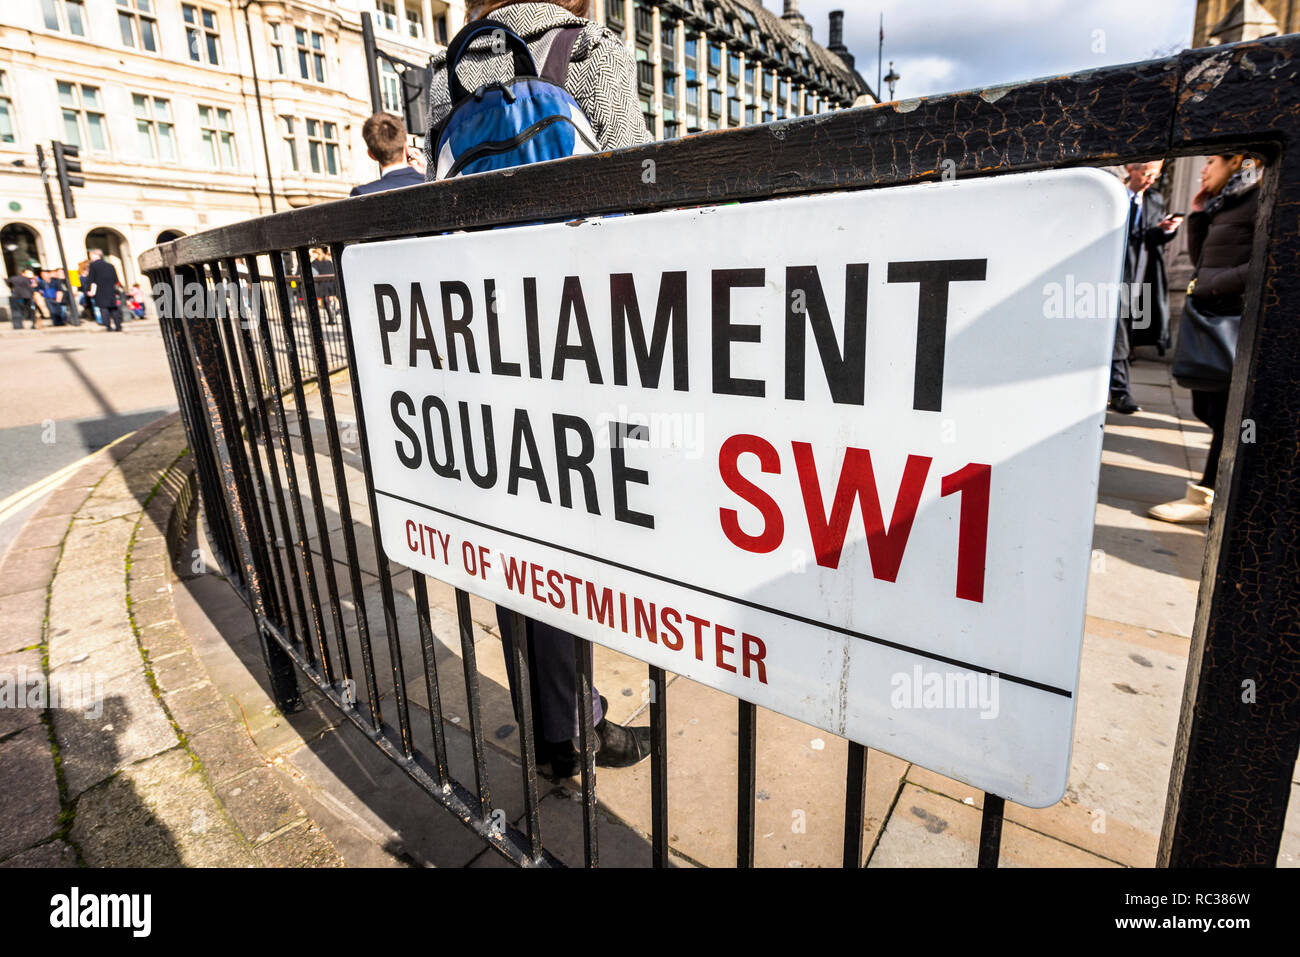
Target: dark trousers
1121	355
22	311
112	317
552	675
1212	409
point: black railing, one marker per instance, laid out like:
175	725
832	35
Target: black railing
240	378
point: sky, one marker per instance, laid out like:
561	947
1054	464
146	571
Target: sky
939	46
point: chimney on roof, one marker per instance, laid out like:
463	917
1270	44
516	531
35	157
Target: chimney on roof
795	22
836	44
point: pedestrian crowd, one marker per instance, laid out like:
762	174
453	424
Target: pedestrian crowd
1220	234
38	295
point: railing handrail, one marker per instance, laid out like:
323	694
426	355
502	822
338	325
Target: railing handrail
782	158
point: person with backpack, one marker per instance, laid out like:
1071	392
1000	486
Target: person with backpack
590	63
1220	239
538	81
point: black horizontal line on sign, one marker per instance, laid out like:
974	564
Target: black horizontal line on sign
1027	682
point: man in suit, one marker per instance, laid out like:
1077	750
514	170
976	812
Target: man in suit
385	137
1144	298
102	290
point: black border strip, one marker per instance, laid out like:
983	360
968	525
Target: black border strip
1027	682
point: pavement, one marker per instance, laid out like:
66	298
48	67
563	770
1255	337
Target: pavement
115	749
191	763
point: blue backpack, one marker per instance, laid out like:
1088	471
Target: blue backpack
528	119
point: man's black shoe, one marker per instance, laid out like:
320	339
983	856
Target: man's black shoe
1124	404
617	747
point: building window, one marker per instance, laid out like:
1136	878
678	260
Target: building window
136	21
733	65
440	28
645	21
323	147
311	54
83	116
614	16
390	88
668	37
645	72
153	128
670	88
692	50
8	134
767	84
277	48
290	142
386	14
414	21
201	34
65	14
715	57
217	132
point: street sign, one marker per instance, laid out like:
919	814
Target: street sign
834	455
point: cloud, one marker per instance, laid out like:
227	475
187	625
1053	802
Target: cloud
944	45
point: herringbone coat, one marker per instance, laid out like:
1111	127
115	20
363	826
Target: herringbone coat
602	74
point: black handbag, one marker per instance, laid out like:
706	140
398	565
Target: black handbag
1207	346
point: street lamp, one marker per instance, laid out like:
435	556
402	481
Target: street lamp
892	79
257	92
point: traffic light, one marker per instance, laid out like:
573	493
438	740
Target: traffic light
68	168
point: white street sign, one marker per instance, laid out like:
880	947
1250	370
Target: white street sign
835	455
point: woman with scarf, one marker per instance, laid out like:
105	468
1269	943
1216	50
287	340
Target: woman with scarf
1220	235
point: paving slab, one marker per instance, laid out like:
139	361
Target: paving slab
304	845
22	619
259	805
157	813
31	811
51	854
1144	572
22	691
28	570
942	832
128	727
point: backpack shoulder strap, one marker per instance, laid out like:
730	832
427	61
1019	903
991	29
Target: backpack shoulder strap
556	69
523	57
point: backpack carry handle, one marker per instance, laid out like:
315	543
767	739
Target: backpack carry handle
524	64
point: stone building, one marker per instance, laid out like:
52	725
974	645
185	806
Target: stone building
159	95
162	99
718	64
1225	21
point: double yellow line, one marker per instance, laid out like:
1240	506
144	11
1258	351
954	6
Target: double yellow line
22	499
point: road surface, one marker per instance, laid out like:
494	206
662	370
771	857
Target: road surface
65	393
